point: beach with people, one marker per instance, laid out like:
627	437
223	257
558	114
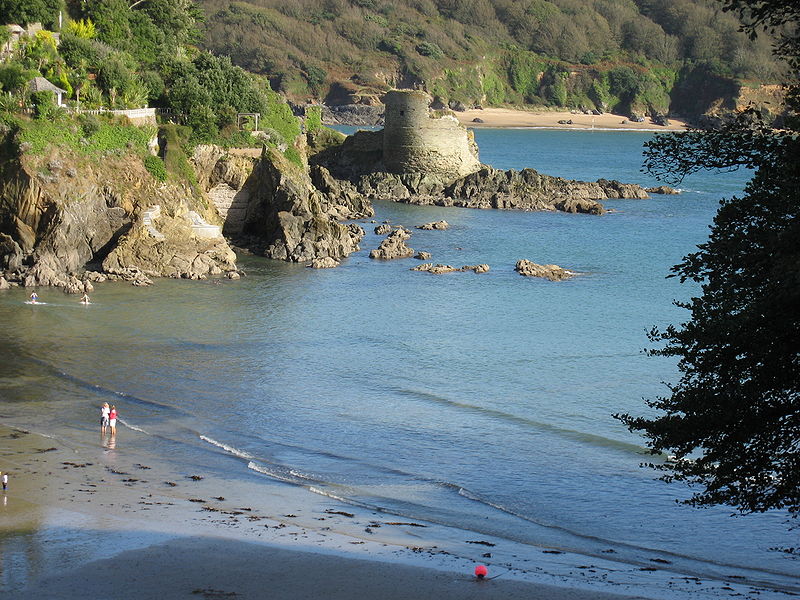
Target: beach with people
168	532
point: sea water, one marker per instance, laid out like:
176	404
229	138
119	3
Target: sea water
479	401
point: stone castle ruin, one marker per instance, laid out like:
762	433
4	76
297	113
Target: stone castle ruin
416	140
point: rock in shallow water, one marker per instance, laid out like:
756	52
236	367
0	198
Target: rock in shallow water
394	246
437	225
551	272
324	263
441	269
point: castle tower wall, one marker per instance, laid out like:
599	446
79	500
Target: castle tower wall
416	141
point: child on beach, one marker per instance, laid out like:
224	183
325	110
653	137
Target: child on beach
104	417
112	420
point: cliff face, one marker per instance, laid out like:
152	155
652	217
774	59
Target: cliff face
282	210
62	214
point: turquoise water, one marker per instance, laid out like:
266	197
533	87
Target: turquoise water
481	401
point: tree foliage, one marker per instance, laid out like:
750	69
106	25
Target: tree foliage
24	12
421	39
732	422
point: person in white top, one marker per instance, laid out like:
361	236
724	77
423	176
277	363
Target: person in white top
104	417
5	481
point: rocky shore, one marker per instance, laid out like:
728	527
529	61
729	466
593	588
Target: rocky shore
63	217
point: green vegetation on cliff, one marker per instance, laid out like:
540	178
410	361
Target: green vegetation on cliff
114	54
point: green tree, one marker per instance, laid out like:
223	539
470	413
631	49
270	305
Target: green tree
14	76
732	422
23	12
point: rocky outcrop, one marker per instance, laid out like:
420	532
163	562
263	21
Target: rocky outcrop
551	272
352	114
360	160
423	255
482	268
280	209
222	176
324	263
170	247
662	189
436	225
289	218
383	229
61	214
340	199
434	269
441	269
493	188
422	157
394	246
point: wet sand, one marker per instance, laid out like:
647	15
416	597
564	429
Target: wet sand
94	522
510	118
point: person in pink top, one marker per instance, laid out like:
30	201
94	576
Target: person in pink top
112	419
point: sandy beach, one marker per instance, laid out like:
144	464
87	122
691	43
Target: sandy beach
92	522
506	117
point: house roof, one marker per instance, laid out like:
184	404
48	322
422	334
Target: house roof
15	29
40	84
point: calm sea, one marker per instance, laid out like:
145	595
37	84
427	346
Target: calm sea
481	401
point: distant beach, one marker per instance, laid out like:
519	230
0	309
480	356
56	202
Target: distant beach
506	117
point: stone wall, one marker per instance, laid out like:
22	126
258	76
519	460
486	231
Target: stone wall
417	141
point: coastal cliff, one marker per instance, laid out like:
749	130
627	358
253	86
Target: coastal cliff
64	214
282	210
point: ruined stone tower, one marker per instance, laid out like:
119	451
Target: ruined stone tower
417	141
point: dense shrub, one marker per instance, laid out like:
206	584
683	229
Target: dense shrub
156	167
44	104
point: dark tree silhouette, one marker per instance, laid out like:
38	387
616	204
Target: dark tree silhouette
732	422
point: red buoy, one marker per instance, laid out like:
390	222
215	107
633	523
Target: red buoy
481	571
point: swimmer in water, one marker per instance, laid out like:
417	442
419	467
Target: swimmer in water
34	297
85	299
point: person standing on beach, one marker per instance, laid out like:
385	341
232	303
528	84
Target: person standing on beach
5	481
104	418
112	420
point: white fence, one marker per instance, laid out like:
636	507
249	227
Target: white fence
133	113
